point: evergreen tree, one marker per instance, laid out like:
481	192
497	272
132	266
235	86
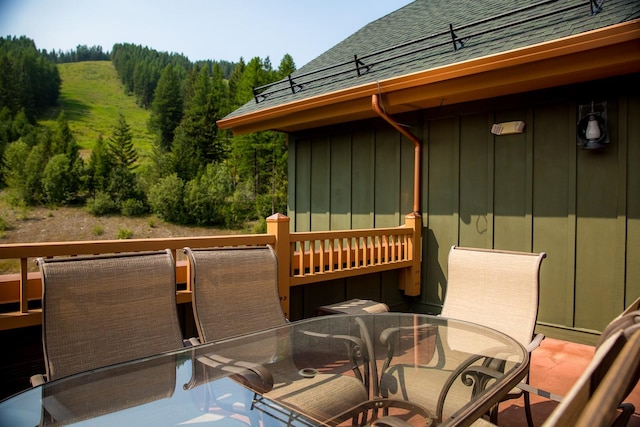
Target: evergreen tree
195	143
34	167
63	141
122	161
99	167
166	108
121	151
59	180
287	66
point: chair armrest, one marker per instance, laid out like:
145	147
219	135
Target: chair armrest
251	375
356	348
535	343
37	380
193	341
386	339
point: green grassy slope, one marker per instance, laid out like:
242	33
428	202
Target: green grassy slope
91	97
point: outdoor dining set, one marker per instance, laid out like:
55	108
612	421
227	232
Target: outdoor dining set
115	352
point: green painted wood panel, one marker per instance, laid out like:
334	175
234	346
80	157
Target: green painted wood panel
596	254
362	177
302	184
632	123
406	174
512	214
476	181
442	218
341	182
319	294
321	178
387	177
291	182
554	209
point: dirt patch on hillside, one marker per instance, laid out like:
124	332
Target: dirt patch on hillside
65	224
41	224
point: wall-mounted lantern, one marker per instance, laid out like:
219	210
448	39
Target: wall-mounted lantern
591	131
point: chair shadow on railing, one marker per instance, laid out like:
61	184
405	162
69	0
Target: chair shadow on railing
325	255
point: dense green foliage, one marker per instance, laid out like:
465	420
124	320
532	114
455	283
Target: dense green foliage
28	81
81	53
195	173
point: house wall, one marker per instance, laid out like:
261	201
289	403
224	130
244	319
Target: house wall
535	191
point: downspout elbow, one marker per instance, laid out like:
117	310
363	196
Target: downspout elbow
375	104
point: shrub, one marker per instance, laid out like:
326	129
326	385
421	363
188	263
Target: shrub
101	204
3	227
133	207
97	230
124	233
56	179
166	199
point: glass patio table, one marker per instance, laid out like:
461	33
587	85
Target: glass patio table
463	368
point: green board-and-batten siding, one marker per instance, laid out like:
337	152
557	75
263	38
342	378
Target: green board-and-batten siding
535	191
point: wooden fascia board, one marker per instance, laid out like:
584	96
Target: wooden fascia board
605	52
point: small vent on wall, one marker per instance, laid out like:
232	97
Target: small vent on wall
507	128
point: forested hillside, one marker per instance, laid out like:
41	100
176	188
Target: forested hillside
185	169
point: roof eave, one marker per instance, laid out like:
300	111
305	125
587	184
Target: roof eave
602	53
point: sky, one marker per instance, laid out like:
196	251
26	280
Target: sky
199	29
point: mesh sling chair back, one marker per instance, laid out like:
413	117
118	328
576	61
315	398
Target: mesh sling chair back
500	290
235	291
106	309
496	289
102	310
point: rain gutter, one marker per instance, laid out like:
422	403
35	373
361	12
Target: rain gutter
375	104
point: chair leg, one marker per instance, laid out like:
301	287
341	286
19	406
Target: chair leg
527	409
493	415
623	417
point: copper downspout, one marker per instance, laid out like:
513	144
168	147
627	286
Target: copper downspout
417	149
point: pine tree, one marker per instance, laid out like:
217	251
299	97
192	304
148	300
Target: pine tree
166	108
287	66
99	167
122	158
122	153
63	141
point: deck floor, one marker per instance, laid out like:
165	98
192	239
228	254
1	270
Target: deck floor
555	366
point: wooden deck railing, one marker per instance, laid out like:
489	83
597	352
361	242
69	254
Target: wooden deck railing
325	255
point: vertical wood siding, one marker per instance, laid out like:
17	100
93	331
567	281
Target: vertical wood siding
535	191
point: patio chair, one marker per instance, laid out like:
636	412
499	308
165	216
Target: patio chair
106	309
595	399
634	306
493	288
235	291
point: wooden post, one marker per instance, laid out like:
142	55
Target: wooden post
278	226
24	286
410	277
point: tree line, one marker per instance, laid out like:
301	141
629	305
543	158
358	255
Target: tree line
196	174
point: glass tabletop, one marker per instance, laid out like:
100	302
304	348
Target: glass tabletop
330	370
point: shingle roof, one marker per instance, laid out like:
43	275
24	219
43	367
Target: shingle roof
418	37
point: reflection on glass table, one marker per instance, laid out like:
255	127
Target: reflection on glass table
330	370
